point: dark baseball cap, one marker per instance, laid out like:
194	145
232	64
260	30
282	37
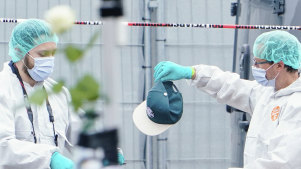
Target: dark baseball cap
162	109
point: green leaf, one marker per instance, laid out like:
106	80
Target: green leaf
38	97
58	87
92	40
77	98
86	89
89	86
73	53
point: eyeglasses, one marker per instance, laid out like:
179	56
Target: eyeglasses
263	62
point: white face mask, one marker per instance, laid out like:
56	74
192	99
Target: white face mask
43	67
259	75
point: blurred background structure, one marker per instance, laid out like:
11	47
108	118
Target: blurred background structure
207	137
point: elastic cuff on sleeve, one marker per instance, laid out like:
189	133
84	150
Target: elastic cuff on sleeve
193	72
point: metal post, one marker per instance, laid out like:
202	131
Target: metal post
162	150
237	143
160	32
235	37
160	54
148	81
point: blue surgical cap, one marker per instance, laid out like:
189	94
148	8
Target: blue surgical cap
278	46
28	35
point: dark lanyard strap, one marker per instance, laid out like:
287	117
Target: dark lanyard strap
28	107
51	119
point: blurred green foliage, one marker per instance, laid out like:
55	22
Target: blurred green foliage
86	89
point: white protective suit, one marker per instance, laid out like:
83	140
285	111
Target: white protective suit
274	135
17	147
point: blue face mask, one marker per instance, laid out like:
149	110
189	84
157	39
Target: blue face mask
259	75
43	67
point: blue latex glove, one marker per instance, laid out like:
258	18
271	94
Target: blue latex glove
59	161
120	156
167	70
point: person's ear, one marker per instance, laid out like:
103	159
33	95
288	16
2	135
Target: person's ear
280	65
17	51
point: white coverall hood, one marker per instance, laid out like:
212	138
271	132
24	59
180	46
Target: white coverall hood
294	87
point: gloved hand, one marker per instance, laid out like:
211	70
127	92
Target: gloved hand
59	161
120	156
167	70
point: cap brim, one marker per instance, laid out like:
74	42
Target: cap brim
144	124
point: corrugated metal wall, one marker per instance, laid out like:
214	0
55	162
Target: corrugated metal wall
197	142
202	138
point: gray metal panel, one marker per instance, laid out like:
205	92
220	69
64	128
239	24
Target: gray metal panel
33	4
291	16
3	43
202	138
